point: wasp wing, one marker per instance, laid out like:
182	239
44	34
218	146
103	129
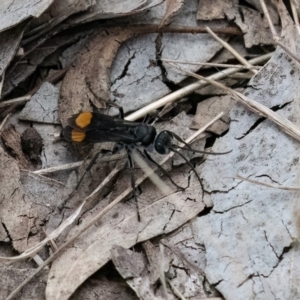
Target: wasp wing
90	121
98	136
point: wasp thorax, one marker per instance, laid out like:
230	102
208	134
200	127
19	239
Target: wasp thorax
163	142
145	134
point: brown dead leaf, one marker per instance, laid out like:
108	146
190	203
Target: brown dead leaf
26	203
172	7
112	288
153	258
210	10
11	276
126	231
89	79
133	268
253	25
211	107
12	140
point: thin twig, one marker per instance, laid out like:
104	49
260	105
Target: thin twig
295	14
210	64
288	51
267	15
4	121
162	276
240	58
175	290
254	106
191	88
1	82
75	165
15	101
287	188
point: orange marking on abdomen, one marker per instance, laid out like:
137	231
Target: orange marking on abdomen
77	136
84	119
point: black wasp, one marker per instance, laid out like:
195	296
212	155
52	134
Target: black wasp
93	127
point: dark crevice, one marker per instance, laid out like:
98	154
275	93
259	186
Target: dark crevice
260	120
256	123
222	192
125	70
159	63
7	232
265	175
205	211
242	15
280	258
186	270
231	208
217	283
246	279
266	237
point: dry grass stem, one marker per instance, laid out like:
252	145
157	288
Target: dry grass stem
247	75
4	121
295	15
75	165
288	51
15	101
175	290
267	15
252	105
240	58
287	188
162	276
210	64
191	88
1	82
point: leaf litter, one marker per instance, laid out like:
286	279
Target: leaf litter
222	245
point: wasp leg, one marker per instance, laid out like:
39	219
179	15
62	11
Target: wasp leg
131	167
148	157
189	163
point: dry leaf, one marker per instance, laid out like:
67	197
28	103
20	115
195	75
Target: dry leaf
197	47
9	41
136	81
256	30
211	107
121	224
43	105
14	12
210	10
89	79
36	53
133	268
12	140
172	7
10	277
113	9
59	11
26	203
249	234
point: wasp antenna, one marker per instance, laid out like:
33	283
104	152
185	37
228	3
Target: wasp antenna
189	163
200	151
